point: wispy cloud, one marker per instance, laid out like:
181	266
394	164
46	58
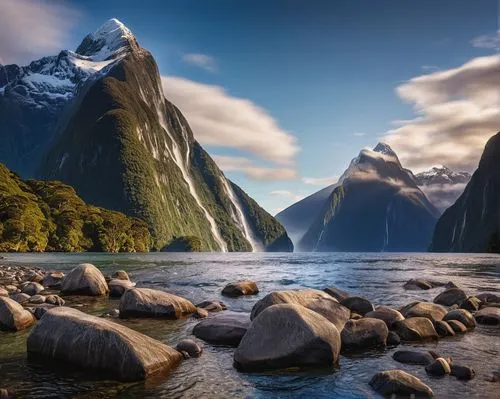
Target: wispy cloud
320	181
490	41
31	28
359	134
286	194
219	119
203	61
443	196
457	111
252	171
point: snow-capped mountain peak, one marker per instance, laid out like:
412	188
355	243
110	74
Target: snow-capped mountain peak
440	174
384	148
113	39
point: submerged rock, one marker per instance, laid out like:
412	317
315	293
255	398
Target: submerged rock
463	316
13	316
85	279
488	315
415	329
212	306
398	382
305	339
451	296
227	328
412	357
417	284
425	309
358	305
387	315
92	343
439	367
146	302
462	372
190	347
240	288
364	333
315	300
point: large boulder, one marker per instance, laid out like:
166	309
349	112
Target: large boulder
315	300
397	383
147	302
488	315
429	310
463	316
451	296
415	329
364	333
227	328
288	335
337	293
358	305
99	345
85	279
387	315
117	287
412	357
240	288
13	316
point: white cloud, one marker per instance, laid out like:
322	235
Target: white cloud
246	166
320	181
491	41
457	111
443	196
359	134
286	194
221	120
31	28
203	61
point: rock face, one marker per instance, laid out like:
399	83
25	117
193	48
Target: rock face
387	315
488	315
472	223
375	206
85	279
400	383
120	129
425	309
226	328
358	305
240	288
92	343
146	302
415	329
315	300
364	333
13	316
306	339
451	296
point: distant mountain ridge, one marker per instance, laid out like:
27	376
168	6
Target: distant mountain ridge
375	206
113	136
441	174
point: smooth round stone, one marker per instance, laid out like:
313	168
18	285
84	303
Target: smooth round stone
488	297
463	316
200	313
240	288
415	329
387	315
451	296
212	306
472	304
364	333
117	287
398	383
457	326
443	328
393	339
462	372
489	316
85	279
20	297
53	280
37	299
417	284
337	293
226	328
358	305
425	309
54	300
439	367
190	347
120	275
412	357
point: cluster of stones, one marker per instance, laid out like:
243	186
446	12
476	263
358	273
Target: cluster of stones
296	328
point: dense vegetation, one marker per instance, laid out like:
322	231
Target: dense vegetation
49	216
184	244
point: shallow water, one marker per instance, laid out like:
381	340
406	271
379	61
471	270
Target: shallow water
378	277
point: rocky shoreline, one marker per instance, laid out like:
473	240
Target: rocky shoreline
299	328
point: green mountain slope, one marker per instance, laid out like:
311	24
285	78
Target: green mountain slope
49	216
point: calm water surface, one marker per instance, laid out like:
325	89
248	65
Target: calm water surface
378	277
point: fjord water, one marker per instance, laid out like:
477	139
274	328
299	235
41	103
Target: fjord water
201	276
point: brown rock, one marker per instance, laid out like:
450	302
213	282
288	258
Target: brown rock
425	309
387	315
400	384
85	279
415	329
240	288
451	296
13	316
364	333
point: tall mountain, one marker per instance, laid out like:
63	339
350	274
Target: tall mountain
375	206
123	146
440	174
472	223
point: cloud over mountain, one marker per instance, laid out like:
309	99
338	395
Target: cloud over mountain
457	111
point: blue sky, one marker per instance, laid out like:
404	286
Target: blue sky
325	71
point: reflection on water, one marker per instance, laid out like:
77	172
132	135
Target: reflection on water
198	277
